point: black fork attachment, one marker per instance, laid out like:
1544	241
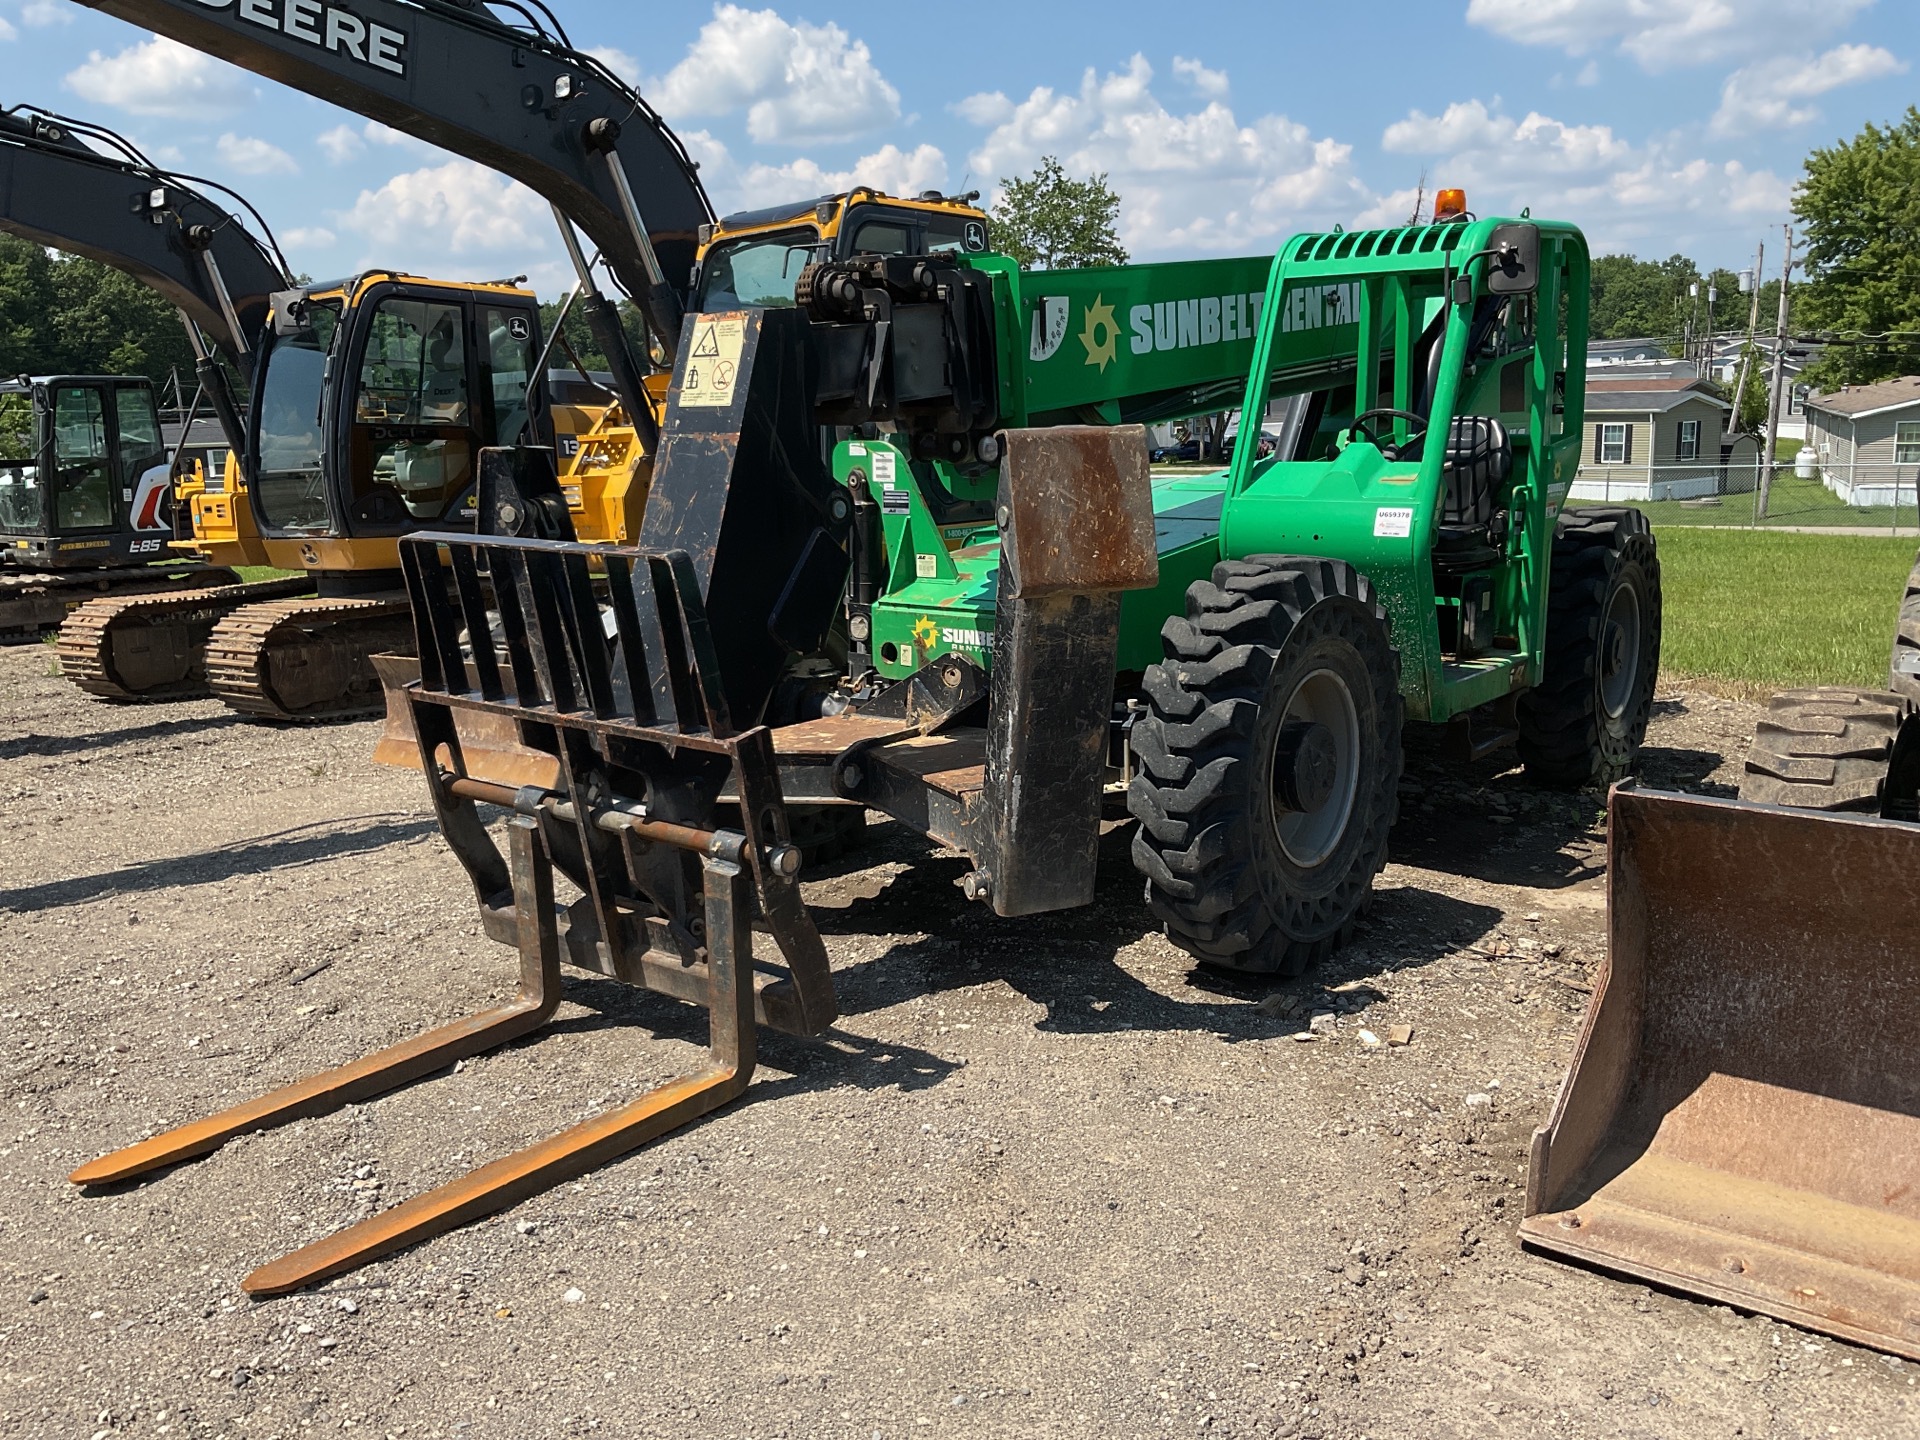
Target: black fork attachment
638	724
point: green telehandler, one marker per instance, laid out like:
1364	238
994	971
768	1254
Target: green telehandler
982	611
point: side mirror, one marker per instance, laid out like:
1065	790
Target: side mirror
289	313
1513	259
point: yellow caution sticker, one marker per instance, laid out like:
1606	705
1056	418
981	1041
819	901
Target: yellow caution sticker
713	362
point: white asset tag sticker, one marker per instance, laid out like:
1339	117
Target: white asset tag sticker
1393	522
883	469
924	567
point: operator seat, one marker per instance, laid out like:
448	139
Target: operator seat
1474	475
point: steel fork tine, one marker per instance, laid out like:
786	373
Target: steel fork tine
395	1066
575	1151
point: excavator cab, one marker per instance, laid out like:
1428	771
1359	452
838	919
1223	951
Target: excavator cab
754	258
83	472
436	372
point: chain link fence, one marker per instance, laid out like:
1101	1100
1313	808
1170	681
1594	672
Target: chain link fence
1799	493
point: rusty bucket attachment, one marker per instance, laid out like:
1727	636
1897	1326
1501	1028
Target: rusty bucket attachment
639	738
490	743
1742	1117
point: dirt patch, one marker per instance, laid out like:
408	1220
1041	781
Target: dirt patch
1042	1178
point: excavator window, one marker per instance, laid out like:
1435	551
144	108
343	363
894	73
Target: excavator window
510	353
413	434
20	508
882	237
142	456
82	469
290	492
759	271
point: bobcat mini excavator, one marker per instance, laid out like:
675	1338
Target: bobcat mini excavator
87	503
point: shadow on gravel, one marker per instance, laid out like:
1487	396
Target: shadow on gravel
303	845
1066	962
47	747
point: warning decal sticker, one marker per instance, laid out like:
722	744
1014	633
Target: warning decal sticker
714	360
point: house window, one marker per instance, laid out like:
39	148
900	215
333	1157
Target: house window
1689	439
1906	442
1797	400
1613	444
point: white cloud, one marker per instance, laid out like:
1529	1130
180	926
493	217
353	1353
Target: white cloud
39	14
1664	34
1626	195
1200	181
1589	74
1762	96
799	82
466	208
7	32
618	61
891	169
733	185
341	143
250	155
308	237
348	142
160	77
458	221
1211	83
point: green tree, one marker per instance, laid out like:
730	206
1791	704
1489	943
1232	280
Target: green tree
1860	203
580	337
16	427
26	306
111	324
1050	222
1750	410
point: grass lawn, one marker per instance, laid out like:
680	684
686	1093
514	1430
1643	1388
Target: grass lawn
1756	611
251	573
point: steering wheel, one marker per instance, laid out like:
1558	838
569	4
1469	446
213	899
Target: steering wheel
1406	449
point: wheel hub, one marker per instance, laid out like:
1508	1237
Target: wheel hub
1315	773
1306	765
1620	651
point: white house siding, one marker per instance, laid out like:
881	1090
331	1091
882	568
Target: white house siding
1654	469
1860	459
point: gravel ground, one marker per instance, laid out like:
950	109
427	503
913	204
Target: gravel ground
1042	1179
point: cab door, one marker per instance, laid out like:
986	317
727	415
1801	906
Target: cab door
142	475
438	374
82	481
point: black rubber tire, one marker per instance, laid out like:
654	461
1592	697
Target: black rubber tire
1569	735
1824	749
1903	670
1208	841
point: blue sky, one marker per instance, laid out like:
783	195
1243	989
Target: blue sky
1656	125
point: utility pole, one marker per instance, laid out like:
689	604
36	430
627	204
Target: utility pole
1753	324
1778	381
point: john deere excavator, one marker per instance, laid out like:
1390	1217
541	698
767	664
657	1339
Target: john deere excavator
438	372
978	610
87	502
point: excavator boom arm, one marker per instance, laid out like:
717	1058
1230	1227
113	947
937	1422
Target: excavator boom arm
57	191
525	104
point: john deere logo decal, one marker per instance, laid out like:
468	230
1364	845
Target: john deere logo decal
1099	333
